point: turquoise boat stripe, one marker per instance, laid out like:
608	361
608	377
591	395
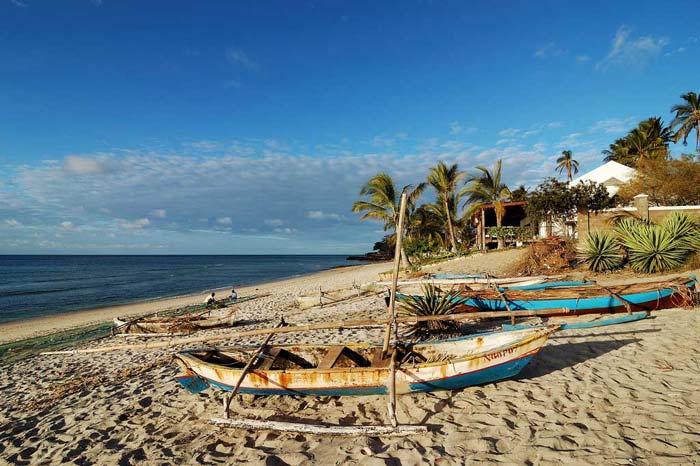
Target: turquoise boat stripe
621	319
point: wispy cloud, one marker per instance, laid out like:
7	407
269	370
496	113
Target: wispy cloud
456	128
69	226
137	224
582	58
18	3
321	215
83	165
674	52
159	213
12	222
630	52
549	50
224	221
612	125
239	57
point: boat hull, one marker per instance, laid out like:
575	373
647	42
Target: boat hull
569	323
499	363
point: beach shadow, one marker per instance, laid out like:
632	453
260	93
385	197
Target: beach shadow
242	323
552	358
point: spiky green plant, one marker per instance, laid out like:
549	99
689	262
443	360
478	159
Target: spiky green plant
654	248
433	302
601	252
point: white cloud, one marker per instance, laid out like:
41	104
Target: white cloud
383	141
18	3
224	220
12	222
137	224
239	57
159	213
674	52
582	58
509	132
555	124
631	52
321	215
69	226
273	222
456	128
548	50
82	165
612	125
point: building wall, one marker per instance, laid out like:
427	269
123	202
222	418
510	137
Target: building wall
603	220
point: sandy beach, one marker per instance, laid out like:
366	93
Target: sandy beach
618	395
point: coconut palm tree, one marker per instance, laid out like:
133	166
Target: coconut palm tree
649	140
687	119
567	163
486	187
383	203
444	180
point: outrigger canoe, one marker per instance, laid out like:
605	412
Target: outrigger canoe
578	300
171	325
356	369
580	322
473	281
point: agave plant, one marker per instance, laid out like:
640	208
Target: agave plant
601	252
433	302
654	248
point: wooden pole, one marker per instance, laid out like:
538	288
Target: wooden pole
395	275
503	298
320	326
628	305
229	397
392	390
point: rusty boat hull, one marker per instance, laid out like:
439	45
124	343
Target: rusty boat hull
442	365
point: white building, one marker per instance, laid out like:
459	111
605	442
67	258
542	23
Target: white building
611	175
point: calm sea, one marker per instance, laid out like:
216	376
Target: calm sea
33	286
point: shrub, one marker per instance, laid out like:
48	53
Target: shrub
433	302
601	252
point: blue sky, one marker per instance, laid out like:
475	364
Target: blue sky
249	127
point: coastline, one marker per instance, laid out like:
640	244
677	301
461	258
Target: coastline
32	327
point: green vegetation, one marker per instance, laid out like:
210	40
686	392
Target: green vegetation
384	202
444	180
433	302
486	187
687	119
648	141
648	247
601	252
566	163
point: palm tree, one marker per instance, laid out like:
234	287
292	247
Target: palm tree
486	188
567	163
687	119
444	180
649	140
384	202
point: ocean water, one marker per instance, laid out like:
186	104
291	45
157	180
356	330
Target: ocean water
33	286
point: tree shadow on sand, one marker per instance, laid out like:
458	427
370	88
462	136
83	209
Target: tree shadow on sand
552	358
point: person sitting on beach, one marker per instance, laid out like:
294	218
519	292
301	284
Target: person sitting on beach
234	295
210	299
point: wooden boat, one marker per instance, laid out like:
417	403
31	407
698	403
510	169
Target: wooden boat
472	281
170	325
580	322
588	299
356	369
323	298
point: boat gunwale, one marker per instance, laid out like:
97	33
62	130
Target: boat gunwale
538	333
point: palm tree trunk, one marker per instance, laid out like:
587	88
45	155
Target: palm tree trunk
499	222
449	224
568	172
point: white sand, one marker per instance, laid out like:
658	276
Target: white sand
623	395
